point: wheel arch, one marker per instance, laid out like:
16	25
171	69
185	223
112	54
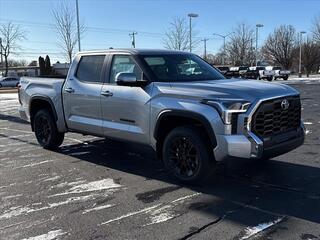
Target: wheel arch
40	102
169	119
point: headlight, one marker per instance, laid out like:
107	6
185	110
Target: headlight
226	107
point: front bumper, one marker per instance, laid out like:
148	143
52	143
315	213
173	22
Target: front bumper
250	146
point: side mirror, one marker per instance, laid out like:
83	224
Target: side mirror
126	79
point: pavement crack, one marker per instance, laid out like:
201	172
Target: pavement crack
216	221
202	228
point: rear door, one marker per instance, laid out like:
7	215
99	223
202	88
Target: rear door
125	110
81	94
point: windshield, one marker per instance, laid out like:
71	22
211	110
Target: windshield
181	68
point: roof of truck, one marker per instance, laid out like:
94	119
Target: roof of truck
136	51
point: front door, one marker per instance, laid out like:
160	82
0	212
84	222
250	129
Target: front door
125	110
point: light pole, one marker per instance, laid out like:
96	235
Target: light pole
205	47
257	36
78	27
300	43
224	44
191	15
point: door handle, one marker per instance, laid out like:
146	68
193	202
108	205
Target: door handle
107	93
69	90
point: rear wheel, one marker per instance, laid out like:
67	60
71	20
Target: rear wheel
46	131
285	78
186	155
269	79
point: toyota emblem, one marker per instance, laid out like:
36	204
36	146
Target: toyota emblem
285	104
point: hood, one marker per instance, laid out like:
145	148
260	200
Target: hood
250	90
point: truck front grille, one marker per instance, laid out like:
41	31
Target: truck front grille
272	118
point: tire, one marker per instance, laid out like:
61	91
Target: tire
46	131
201	162
269	79
0	85
285	78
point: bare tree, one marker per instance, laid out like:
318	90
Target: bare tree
177	35
65	25
239	48
279	46
310	55
316	28
17	63
10	34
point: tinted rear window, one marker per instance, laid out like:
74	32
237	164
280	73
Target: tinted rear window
89	68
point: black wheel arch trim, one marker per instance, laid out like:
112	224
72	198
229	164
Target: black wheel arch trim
46	99
189	115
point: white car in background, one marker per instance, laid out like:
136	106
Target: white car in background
9	82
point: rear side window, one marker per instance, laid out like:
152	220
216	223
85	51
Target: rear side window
90	67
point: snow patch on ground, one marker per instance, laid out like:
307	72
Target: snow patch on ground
167	212
11	196
104	184
308	131
51	179
308	123
48	236
130	214
250	231
35	164
15	211
98	208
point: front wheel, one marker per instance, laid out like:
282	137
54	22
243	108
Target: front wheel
187	155
46	131
269	79
285	78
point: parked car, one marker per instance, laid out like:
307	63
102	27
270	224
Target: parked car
279	73
223	70
234	72
9	82
192	117
226	71
259	72
242	71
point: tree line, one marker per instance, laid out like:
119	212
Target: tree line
281	47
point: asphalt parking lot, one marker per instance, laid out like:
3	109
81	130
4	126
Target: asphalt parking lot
92	188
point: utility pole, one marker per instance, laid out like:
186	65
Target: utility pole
133	34
78	26
1	52
300	52
205	47
257	36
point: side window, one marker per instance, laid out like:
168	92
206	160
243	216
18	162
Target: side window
124	63
89	68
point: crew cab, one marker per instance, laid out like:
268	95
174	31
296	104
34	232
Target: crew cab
259	72
279	72
175	102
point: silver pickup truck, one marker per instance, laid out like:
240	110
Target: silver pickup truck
172	101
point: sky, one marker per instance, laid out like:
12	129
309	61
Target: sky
109	22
